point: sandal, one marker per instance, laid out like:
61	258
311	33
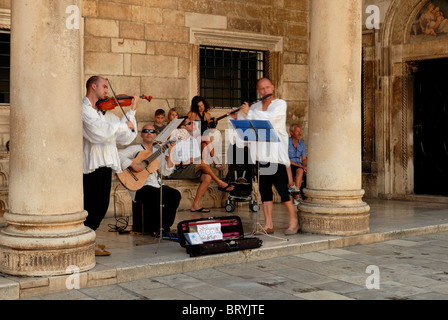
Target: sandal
203	210
264	231
226	188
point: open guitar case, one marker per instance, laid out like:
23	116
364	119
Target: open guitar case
214	235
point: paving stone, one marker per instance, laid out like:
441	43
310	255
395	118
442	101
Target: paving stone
322	295
318	256
112	292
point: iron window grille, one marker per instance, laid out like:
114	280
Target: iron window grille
228	77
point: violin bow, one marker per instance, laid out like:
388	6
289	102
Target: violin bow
116	100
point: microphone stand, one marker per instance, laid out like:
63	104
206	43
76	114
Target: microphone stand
161	204
255	129
160	211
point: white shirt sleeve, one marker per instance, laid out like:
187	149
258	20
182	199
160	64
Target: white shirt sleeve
97	129
127	136
126	155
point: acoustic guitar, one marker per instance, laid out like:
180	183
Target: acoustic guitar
134	181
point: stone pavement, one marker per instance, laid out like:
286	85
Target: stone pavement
413	268
404	254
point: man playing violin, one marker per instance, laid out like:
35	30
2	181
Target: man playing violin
149	194
101	133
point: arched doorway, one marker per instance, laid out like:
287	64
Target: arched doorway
430	127
409	142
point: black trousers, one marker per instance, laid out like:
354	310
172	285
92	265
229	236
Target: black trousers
278	178
149	197
97	186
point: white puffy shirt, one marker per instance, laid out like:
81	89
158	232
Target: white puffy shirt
276	114
100	136
186	149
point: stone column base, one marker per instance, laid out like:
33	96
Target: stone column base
46	263
46	245
334	212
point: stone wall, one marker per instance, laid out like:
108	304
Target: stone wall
144	46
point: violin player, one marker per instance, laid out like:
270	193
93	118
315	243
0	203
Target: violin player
101	133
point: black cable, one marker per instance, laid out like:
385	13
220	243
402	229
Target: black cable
123	221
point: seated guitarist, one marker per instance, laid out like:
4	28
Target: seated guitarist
149	194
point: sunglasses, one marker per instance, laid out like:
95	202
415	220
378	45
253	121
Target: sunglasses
149	130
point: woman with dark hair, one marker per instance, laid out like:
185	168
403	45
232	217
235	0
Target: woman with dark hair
199	112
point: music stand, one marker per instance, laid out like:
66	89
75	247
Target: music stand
161	138
259	131
168	130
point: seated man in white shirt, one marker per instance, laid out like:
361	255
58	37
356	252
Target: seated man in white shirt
149	194
187	158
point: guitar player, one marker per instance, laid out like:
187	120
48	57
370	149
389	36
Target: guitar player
149	194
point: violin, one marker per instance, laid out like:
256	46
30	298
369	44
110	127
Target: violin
123	100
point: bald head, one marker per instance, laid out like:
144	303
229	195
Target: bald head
265	87
264	79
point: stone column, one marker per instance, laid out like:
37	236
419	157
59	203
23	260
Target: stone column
334	188
45	232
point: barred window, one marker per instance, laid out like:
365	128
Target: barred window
5	65
228	77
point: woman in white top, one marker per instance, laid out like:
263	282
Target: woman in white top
101	132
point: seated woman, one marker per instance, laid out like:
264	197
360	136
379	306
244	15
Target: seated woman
199	112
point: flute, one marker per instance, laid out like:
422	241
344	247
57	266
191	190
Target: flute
215	121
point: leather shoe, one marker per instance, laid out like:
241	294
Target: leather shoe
101	252
290	232
264	231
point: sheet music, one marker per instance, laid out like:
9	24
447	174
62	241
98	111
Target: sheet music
165	134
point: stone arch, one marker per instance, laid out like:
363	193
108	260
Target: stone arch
399	20
4	178
3	207
397	60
